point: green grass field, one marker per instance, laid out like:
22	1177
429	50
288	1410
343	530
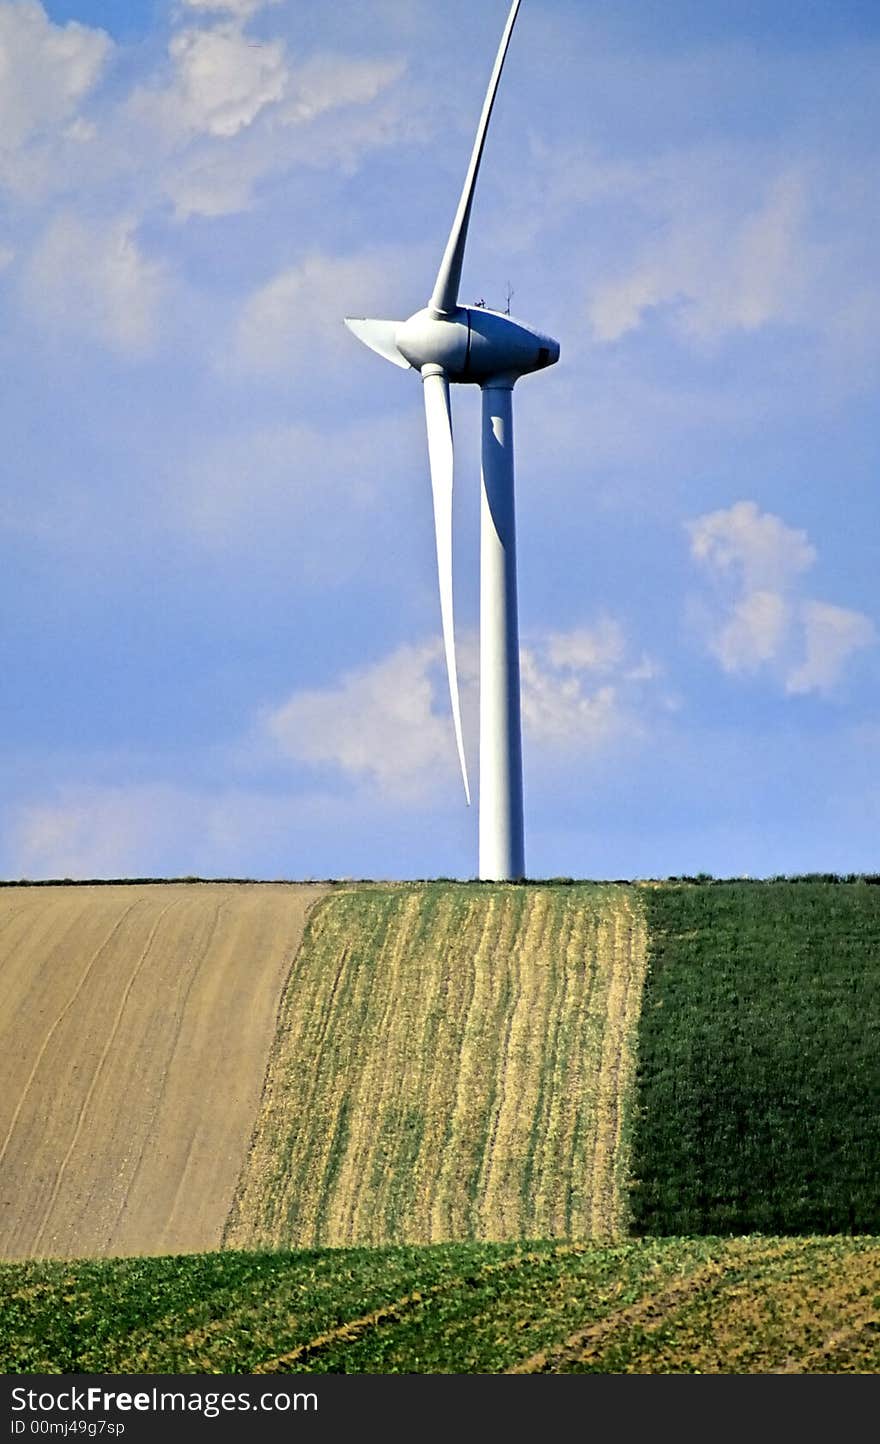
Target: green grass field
753	1305
759	1047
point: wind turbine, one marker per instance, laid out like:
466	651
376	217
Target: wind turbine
446	342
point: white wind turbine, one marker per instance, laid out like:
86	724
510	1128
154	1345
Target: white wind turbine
448	342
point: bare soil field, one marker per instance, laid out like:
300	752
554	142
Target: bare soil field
453	1062
135	1026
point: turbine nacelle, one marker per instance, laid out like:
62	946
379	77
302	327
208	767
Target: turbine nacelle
474	344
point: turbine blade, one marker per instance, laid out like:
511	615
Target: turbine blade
444	298
379	336
437	415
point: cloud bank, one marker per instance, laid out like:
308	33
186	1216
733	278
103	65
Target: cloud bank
759	619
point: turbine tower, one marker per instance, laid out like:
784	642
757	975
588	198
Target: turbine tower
446	342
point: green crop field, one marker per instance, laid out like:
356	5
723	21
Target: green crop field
749	1305
759	1046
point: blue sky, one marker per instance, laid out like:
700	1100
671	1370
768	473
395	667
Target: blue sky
221	649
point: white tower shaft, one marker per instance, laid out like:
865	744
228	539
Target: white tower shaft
447	343
502	854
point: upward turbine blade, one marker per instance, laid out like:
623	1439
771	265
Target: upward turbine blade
437	415
445	295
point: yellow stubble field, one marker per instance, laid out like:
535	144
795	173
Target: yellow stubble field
453	1061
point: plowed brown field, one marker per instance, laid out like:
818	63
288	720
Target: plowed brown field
135	1027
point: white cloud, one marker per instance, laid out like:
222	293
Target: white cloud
584	692
756	632
618	306
718	272
163	830
94	280
94	832
221	112
598	648
242	9
559	712
217	184
326	81
81	130
754	549
831	636
215	161
389	724
378	725
222	80
45	70
296	318
759	619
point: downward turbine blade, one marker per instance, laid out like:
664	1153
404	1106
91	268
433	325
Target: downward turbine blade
379	336
444	298
437	415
